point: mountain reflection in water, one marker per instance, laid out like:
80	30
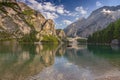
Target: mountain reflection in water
18	62
57	62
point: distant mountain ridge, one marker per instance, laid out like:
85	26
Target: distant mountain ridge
98	20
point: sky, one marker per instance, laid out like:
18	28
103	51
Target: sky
65	12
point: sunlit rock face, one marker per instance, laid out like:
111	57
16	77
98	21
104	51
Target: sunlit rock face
98	20
71	30
48	28
19	21
61	34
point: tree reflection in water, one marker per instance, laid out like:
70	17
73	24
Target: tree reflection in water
57	62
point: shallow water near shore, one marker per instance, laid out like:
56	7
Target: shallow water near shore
58	62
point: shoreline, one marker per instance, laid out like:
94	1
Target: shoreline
104	44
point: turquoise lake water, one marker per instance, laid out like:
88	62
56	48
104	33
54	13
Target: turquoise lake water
58	62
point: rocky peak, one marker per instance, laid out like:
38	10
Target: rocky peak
98	20
49	27
71	30
60	33
19	21
110	8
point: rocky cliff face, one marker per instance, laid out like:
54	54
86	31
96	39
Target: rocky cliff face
61	34
98	20
18	21
71	30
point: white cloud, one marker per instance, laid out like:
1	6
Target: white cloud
67	22
47	6
76	18
60	9
50	15
106	11
73	14
98	4
81	10
48	9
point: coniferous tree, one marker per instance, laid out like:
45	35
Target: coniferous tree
106	35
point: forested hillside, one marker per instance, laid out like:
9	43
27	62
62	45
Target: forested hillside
106	35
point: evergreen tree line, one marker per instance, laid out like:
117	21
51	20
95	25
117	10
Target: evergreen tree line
106	35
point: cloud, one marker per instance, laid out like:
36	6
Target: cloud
50	15
81	10
77	18
78	12
60	9
106	11
49	10
47	6
98	4
67	22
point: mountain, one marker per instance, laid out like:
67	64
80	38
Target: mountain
98	20
20	22
111	34
72	29
61	34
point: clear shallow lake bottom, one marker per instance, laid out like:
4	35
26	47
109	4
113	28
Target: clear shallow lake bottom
58	62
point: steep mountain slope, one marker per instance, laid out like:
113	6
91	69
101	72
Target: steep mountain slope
18	21
71	30
98	20
61	34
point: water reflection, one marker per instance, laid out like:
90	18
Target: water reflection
58	62
98	62
18	62
83	63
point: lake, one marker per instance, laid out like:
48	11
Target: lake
58	62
